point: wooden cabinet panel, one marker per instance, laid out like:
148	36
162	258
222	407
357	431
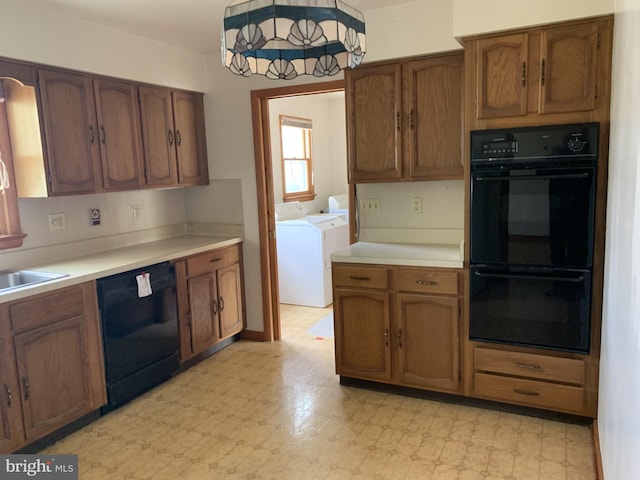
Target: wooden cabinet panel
158	138
11	427
373	122
434	102
568	77
207	262
404	119
211	309
358	276
54	376
70	129
426	281
363	330
544	367
46	309
531	393
229	300
502	76
119	133
191	147
428	341
202	317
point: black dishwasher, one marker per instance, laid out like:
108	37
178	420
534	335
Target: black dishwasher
140	333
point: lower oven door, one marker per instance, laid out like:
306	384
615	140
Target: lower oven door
546	308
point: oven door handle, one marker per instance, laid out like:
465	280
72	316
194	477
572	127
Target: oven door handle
560	176
577	279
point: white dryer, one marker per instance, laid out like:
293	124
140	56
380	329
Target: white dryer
304	245
339	205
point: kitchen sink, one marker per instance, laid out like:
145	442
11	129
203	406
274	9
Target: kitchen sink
10	279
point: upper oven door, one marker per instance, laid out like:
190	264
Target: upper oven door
533	216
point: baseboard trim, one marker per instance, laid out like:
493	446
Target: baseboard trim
253	335
597	453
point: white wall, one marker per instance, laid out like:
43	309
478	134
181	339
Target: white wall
329	163
471	17
619	401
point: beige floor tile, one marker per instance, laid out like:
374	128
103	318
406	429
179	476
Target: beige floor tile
263	411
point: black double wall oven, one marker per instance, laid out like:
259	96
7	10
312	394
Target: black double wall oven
532	214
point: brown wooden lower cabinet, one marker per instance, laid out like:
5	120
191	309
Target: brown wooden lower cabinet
398	325
51	363
210	303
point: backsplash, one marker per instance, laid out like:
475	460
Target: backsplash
441	219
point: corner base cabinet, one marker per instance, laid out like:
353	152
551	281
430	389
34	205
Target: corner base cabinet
51	363
210	299
398	325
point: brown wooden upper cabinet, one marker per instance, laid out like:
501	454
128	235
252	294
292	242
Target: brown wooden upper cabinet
541	71
174	141
404	119
92	133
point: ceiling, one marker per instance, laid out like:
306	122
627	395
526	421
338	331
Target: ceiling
191	24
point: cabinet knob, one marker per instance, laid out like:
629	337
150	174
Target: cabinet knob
542	72
92	134
386	337
104	134
400	338
524	73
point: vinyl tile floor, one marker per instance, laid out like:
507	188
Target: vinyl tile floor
277	411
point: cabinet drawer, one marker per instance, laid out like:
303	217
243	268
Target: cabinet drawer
208	262
358	276
565	370
427	281
529	392
47	308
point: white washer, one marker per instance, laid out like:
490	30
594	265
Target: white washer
339	205
304	244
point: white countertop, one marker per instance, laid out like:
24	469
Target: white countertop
110	262
422	255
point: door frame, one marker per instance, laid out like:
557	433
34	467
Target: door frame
264	185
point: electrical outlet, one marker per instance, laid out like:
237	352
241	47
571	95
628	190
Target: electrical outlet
57	221
416	205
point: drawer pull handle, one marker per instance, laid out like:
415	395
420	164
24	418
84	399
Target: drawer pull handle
221	303
9	395
386	337
529	393
214	260
355	277
399	338
426	282
528	366
214	307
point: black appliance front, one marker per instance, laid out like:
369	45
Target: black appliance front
532	223
534	307
534	204
140	334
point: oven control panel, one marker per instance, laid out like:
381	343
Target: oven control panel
545	143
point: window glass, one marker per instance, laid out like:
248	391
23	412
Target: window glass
297	163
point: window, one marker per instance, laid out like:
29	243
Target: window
10	234
297	164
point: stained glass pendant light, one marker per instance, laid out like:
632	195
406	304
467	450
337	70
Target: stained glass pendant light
282	39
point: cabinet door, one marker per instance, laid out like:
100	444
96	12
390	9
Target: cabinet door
362	334
502	76
11	433
434	103
54	375
568	69
202	312
373	103
188	114
119	133
71	134
229	300
428	342
158	136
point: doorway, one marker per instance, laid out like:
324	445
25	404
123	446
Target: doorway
265	194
